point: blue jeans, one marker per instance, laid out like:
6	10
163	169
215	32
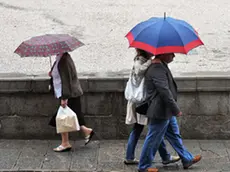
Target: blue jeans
132	143
156	132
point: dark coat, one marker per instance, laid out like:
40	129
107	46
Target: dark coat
162	92
70	83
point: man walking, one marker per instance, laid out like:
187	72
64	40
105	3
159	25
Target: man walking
162	112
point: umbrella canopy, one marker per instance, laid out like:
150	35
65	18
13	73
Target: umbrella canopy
48	45
160	35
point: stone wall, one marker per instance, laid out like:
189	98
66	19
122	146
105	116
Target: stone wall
26	105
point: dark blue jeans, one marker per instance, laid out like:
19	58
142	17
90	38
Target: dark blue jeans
156	133
132	143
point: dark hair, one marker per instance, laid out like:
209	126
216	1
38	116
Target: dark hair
143	53
65	54
158	56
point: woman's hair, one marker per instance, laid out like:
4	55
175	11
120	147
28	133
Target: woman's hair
143	53
65	54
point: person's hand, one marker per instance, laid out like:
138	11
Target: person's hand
49	73
64	103
179	114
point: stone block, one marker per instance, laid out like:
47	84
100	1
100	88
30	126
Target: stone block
204	103
118	104
119	111
209	149
32	155
214	103
105	127
111	166
86	158
112	143
5	105
12	86
187	103
8	158
57	161
111	158
106	85
40	86
26	127
213	84
28	104
205	127
10	144
99	103
186	84
227	144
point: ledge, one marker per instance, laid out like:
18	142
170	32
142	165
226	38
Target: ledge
14	83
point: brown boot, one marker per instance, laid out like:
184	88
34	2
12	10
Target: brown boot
151	170
196	159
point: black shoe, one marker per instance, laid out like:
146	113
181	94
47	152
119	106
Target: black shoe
89	137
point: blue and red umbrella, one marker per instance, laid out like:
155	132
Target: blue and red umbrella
164	35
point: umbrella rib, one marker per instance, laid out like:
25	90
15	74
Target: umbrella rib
192	30
159	36
181	22
177	33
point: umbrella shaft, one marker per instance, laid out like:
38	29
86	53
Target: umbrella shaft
50	62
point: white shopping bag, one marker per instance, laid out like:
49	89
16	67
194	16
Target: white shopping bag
66	120
135	93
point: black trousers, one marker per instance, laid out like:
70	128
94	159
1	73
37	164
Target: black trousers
74	104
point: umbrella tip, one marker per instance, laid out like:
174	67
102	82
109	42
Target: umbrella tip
164	15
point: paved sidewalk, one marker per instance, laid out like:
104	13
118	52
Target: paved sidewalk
37	155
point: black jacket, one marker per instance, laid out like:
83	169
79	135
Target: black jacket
70	84
162	90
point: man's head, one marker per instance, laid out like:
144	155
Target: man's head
167	58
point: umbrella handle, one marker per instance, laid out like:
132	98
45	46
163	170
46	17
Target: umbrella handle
50	62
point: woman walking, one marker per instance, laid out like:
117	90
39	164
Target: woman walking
67	89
